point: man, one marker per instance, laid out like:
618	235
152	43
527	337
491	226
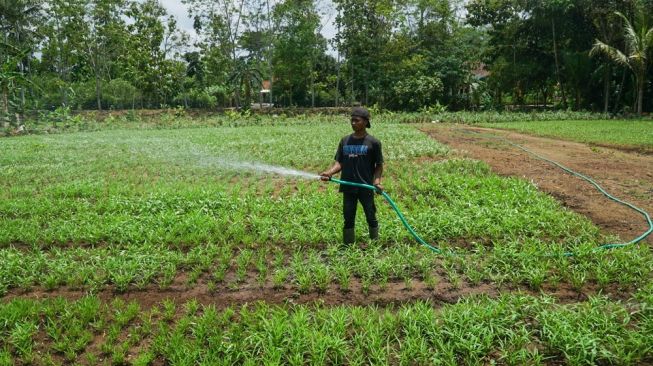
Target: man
360	159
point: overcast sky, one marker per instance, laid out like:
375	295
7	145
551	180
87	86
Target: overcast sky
180	12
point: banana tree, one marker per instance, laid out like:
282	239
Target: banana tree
9	80
246	75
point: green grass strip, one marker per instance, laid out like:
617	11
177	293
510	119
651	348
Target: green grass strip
620	133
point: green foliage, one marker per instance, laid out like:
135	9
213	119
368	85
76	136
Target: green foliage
119	94
433	109
638	39
510	329
61	118
631	134
536	52
118	54
204	98
297	38
435	114
418	91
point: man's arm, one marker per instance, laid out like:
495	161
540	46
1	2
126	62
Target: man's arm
327	174
378	167
378	172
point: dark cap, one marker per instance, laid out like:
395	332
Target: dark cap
363	113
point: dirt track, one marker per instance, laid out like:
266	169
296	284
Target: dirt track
625	175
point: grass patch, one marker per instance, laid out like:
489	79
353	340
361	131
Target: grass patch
636	134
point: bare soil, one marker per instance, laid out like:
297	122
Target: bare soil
627	175
394	293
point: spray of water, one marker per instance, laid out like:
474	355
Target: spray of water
191	154
265	168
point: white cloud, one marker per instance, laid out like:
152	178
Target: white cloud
180	12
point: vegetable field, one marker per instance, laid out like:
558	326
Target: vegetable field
173	246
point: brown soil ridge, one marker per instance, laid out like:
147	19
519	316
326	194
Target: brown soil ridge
393	293
625	175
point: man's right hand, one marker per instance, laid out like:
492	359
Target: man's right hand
325	176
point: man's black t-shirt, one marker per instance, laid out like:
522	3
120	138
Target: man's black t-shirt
358	158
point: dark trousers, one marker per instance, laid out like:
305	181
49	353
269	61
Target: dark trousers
350	203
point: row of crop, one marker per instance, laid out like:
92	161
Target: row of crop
443	200
192	150
224	266
60	331
512	329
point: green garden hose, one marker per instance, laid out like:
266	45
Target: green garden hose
590	180
394	207
568	254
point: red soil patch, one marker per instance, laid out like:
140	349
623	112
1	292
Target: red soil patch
250	291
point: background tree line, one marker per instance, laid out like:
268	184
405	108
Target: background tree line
397	54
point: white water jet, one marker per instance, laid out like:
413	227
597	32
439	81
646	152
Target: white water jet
266	168
198	156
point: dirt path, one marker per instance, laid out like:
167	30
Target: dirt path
625	175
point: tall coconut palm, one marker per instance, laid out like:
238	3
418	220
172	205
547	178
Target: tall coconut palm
638	41
246	75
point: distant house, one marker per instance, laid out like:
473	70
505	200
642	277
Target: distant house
264	96
480	72
477	74
265	87
471	86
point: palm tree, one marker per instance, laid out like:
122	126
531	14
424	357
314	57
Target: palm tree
246	75
638	42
